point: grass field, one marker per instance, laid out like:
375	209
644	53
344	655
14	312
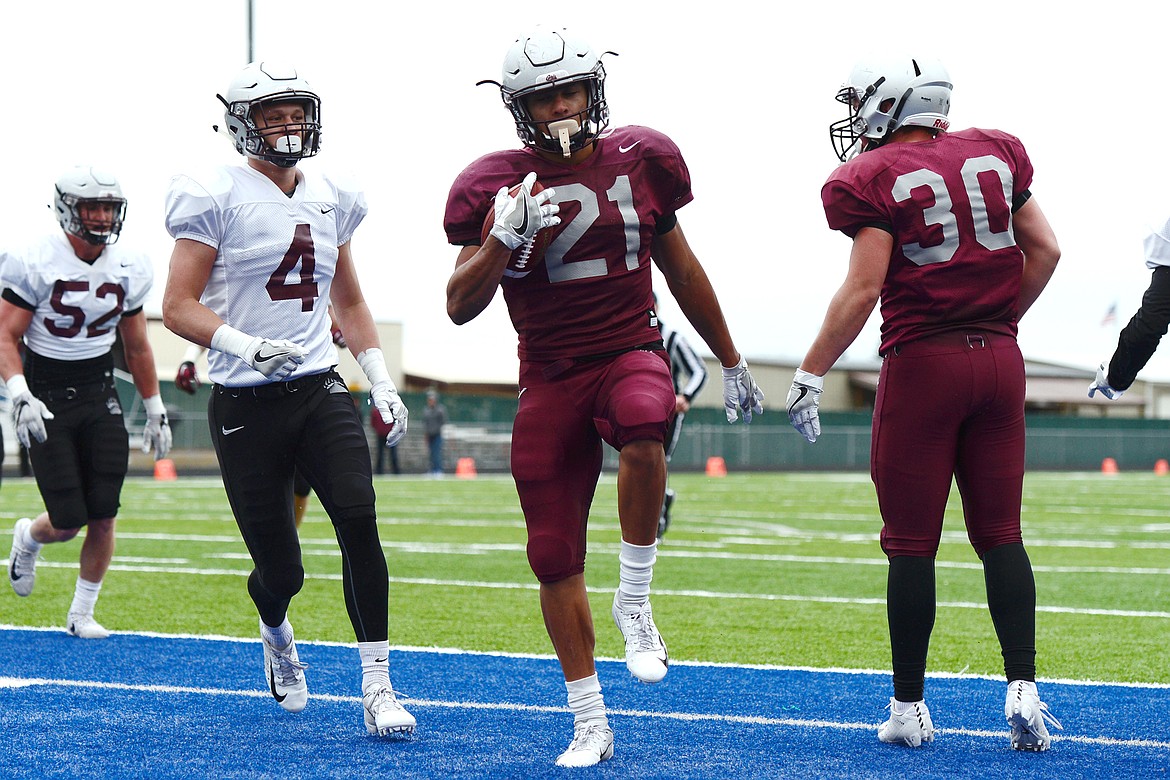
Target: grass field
778	569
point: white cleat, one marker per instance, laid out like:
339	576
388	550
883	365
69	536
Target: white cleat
909	724
384	714
1027	715
646	656
22	561
84	626
286	675
592	743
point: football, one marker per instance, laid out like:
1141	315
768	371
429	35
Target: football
528	256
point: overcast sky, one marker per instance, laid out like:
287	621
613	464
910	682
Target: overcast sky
745	89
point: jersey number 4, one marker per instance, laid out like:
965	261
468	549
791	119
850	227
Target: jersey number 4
941	212
300	252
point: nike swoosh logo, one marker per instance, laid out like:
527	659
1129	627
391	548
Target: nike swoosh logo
229	431
523	390
380	660
263	358
272	685
327	210
799	398
624	149
523	225
12	575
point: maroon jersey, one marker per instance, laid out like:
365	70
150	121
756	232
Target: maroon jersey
948	204
592	294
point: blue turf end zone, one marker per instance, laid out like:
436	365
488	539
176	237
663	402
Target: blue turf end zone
144	706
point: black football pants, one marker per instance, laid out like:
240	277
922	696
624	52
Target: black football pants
261	436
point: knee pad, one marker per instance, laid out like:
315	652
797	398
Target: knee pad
352	495
280	584
552	558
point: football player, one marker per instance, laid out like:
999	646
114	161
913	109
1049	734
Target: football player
947	234
65	298
260	250
592	364
688	374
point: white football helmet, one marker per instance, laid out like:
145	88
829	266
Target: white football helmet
884	97
85	187
261	84
553	58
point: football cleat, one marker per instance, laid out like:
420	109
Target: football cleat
22	561
82	625
592	743
646	656
384	714
286	675
909	724
1027	715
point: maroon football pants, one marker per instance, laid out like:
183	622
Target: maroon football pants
949	405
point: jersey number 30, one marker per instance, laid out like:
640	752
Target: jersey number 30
941	212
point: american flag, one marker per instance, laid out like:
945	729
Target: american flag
1110	315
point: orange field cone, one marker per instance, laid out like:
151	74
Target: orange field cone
165	470
465	468
1161	467
716	467
1109	466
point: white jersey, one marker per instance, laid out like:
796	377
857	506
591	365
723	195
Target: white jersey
77	305
276	258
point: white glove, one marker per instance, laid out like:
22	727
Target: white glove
384	395
1102	383
157	434
274	358
740	392
518	217
803	399
386	400
28	412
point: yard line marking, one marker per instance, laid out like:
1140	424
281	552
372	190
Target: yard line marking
704	594
755	720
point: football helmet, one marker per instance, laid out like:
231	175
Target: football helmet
552	58
85	187
884	97
258	86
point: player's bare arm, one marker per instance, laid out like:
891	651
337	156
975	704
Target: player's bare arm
854	300
1041	252
139	355
692	289
478	270
14	321
350	307
191	263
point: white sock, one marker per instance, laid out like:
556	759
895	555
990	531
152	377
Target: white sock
84	597
585	700
636	569
281	636
26	540
375	663
902	707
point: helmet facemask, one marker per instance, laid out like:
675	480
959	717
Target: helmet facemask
569	134
283	144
